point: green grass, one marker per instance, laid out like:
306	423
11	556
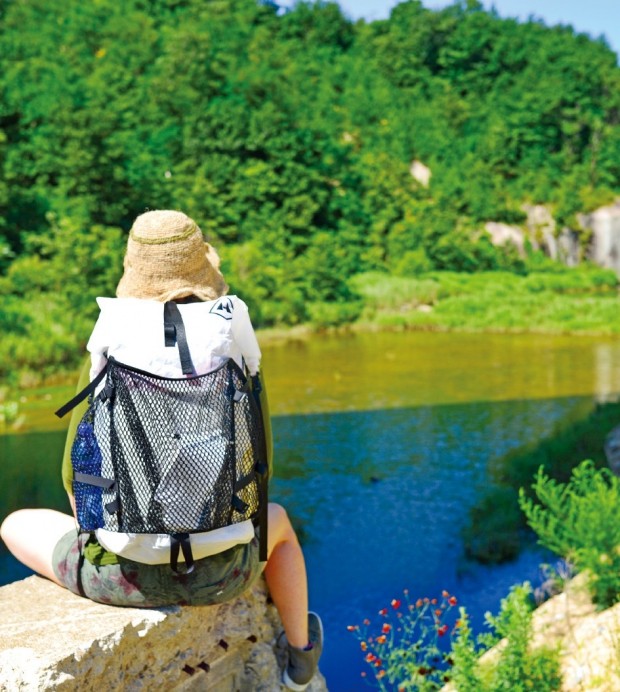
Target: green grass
583	300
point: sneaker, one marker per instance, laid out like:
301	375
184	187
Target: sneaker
303	663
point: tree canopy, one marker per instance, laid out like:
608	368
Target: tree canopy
288	136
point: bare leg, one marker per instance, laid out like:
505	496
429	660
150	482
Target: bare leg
286	576
32	534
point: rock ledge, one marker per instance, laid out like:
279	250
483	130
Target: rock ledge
51	639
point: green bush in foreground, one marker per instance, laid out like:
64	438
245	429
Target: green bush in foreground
516	667
579	521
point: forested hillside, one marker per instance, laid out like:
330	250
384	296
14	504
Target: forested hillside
289	137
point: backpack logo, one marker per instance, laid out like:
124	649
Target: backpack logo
223	307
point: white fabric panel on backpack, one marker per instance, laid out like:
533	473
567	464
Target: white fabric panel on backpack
154	548
132	330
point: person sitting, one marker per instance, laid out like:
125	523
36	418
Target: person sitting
167	259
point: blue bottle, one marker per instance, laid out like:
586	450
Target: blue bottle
86	458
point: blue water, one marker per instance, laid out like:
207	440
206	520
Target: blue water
379	499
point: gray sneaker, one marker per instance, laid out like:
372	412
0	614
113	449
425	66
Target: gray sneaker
302	664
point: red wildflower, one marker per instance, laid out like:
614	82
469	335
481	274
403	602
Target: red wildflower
363	646
378	663
452	601
419	603
367	621
381	639
352	628
445	594
383	612
442	630
395	603
370	657
434	601
380	674
386	628
438	612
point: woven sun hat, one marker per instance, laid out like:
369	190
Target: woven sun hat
167	258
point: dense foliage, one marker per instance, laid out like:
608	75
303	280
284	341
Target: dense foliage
577	521
289	137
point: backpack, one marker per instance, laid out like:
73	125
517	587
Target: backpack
176	456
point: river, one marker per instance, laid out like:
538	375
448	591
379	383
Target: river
383	444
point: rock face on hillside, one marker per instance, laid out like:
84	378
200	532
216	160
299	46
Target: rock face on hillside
53	640
605	226
564	245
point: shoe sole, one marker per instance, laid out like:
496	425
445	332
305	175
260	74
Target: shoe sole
295	686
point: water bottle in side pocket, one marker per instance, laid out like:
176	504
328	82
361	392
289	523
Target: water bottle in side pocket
86	458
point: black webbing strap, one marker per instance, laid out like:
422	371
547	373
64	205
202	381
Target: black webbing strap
180	541
263	471
80	396
174	333
263	493
105	483
243	481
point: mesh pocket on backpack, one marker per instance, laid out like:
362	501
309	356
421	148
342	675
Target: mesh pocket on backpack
183	452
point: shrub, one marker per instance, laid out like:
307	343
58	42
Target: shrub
412	263
578	520
519	668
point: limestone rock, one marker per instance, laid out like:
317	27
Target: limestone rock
502	233
541	228
589	638
605	226
421	173
51	639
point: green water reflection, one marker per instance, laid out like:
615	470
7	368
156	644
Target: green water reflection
394	370
369	371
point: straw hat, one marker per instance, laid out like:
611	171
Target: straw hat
167	258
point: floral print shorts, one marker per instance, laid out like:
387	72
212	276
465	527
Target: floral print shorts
215	579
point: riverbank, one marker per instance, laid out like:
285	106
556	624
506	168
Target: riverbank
577	302
551	300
